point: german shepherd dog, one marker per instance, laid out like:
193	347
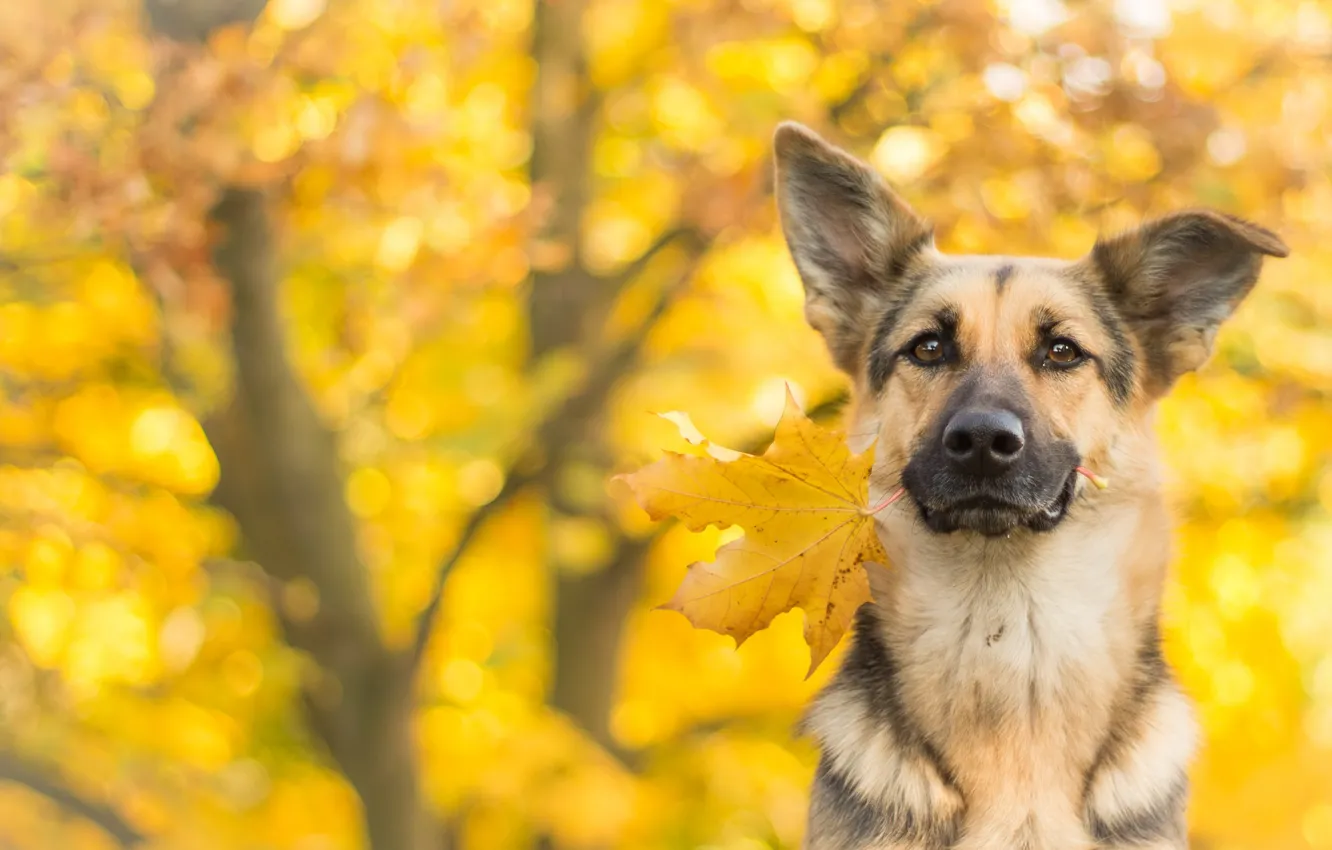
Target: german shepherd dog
1005	690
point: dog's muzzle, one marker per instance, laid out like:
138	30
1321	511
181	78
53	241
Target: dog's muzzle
983	471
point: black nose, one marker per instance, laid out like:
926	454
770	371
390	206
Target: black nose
985	441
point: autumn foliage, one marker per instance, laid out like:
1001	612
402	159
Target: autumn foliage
323	326
809	531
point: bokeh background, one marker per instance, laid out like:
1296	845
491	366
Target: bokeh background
323	324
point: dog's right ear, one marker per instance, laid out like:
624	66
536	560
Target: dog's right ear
849	235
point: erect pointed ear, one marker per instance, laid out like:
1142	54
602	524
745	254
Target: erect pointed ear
850	236
1176	279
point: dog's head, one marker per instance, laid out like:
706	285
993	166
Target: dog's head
992	378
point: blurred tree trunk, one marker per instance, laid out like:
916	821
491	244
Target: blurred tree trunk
567	304
282	481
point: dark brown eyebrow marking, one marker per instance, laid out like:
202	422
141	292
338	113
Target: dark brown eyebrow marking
1115	364
882	359
1046	320
1117	368
1002	274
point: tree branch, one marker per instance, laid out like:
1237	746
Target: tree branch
513	484
19	262
617	281
565	306
195	20
550	435
12	769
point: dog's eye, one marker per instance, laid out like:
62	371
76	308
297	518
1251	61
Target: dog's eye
928	350
1063	352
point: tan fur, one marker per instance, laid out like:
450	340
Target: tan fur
1020	716
1029	708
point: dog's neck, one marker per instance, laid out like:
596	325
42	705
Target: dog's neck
1012	654
1103	564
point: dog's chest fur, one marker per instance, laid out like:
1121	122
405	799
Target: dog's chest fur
1013	675
983	695
1000	658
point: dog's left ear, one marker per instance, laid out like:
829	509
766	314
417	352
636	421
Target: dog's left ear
1176	279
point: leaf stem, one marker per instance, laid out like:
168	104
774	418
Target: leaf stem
900	492
1098	481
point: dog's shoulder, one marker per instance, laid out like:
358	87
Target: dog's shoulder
880	783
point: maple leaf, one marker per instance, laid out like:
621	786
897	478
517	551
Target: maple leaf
809	529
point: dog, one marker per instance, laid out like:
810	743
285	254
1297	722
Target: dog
1005	689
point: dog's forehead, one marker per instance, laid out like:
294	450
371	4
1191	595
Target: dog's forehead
999	289
998	273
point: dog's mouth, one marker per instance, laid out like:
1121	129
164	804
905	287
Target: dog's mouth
993	515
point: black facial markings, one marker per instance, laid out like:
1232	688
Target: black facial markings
986	387
943	329
1117	365
881	359
947	319
1047	322
904	281
1035	494
1047	330
1048	335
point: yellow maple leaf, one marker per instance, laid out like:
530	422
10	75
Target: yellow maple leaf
809	529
